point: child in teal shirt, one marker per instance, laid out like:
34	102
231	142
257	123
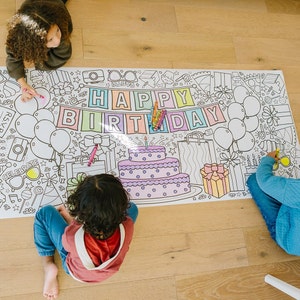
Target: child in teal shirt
278	199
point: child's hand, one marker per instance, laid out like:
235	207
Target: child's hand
28	93
64	213
274	154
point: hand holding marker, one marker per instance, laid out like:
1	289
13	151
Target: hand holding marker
35	95
285	161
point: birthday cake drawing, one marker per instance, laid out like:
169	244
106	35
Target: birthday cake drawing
150	174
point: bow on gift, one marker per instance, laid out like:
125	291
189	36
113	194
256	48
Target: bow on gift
73	182
223	91
214	171
102	142
97	142
230	159
62	89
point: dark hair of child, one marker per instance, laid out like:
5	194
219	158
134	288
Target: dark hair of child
100	204
28	28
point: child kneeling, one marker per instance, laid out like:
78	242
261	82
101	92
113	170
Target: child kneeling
92	236
278	199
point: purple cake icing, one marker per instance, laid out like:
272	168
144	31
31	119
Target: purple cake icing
148	173
142	153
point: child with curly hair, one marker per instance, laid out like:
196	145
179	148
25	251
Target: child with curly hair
92	236
38	33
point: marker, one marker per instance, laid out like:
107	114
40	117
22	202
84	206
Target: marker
160	120
37	95
156	119
154	111
283	286
149	117
92	156
276	164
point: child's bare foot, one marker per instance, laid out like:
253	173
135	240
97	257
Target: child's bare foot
50	291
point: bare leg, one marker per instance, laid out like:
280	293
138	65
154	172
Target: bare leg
50	291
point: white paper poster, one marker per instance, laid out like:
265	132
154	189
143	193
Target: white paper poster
217	126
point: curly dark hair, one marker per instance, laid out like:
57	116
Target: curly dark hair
100	204
28	28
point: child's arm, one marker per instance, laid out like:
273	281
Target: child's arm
16	69
285	190
65	214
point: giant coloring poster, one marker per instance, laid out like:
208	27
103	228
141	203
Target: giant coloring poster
217	126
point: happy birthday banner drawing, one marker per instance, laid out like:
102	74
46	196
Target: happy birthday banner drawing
217	126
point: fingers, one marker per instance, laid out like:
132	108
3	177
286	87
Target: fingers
274	154
26	96
61	208
28	93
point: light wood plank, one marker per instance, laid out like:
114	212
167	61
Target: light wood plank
20	227
77	49
186	253
21	272
157	46
197	217
245	283
255	5
144	17
7	9
276	52
283	6
219	22
261	248
3	33
158	288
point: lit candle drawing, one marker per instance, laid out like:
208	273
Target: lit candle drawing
146	142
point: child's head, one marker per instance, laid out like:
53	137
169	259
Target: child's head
100	203
28	29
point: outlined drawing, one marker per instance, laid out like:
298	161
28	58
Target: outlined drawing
218	125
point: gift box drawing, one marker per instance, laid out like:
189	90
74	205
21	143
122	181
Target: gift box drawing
60	83
215	180
223	86
105	152
236	177
194	152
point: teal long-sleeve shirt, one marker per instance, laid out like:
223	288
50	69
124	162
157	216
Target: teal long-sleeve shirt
286	191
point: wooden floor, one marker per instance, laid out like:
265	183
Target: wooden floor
218	250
